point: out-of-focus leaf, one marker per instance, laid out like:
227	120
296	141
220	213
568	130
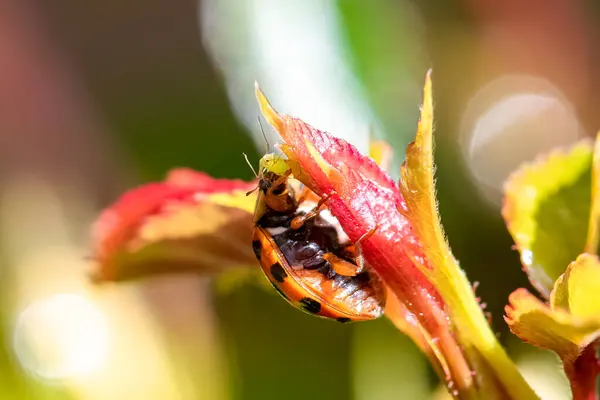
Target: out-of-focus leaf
189	222
417	187
568	325
235	279
593	236
384	364
547	209
387	54
271	348
381	152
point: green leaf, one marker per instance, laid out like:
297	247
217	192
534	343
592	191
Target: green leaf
546	209
568	325
276	353
536	323
495	372
389	365
577	291
385	51
593	237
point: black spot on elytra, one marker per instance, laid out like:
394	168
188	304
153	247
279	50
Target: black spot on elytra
343	320
310	305
257	247
278	272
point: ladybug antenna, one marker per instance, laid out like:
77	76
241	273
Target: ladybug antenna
264	136
250	165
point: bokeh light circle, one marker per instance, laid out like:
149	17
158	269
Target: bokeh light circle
61	337
512	120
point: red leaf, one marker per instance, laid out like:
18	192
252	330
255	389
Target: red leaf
119	227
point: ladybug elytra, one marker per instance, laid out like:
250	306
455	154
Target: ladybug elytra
300	250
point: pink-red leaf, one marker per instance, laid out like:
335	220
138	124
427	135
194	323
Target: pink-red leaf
189	222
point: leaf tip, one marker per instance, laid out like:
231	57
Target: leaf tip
270	114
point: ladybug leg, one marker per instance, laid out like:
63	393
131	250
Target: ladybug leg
367	235
278	195
298	221
355	250
278	182
341	266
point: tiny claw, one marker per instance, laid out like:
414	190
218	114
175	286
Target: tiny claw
300	220
367	234
356	249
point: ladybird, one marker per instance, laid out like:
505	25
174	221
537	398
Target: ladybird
302	252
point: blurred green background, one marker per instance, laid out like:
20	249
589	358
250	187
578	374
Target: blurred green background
97	97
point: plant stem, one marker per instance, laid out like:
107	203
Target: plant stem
583	372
